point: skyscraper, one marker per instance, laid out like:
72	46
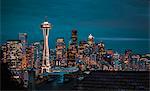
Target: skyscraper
74	37
101	50
72	50
23	39
30	56
91	40
45	27
81	49
60	52
14	54
37	58
3	53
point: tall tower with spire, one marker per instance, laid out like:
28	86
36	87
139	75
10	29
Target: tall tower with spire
45	27
91	40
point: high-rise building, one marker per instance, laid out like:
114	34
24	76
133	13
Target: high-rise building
37	57
74	43
116	62
109	56
71	58
116	55
52	57
81	49
3	53
45	26
128	58
91	40
60	52
93	57
74	38
101	47
14	54
30	56
128	54
23	39
72	51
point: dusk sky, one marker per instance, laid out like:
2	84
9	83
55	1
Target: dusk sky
121	24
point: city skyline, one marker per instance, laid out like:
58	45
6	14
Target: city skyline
126	21
75	45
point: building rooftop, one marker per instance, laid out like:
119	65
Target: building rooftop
90	36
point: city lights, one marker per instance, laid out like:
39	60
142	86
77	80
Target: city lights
35	63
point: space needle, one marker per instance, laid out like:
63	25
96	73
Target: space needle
45	27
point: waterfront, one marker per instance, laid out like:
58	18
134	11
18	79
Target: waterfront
104	80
